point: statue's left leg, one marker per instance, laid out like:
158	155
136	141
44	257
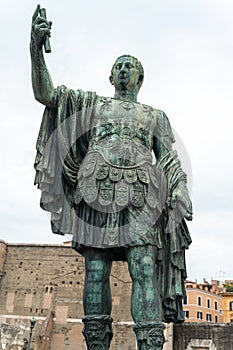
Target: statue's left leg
149	335
146	305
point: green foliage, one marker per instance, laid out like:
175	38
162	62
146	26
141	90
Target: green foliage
229	287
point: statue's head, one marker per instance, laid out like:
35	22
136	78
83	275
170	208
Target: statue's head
127	73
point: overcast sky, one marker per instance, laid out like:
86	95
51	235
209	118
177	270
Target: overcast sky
186	48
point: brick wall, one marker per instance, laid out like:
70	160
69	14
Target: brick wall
38	279
3	248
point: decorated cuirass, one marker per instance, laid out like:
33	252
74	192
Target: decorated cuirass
118	165
123	131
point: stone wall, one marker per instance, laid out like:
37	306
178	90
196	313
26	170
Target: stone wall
198	336
40	279
12	337
3	249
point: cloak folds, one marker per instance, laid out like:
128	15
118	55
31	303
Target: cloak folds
62	144
174	238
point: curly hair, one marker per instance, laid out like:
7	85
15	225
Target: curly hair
138	65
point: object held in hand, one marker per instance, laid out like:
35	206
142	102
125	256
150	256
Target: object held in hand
47	46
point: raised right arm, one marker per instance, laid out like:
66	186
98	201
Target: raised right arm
42	84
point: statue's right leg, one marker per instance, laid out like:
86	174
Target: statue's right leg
146	304
97	300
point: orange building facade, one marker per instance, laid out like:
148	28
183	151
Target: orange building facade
227	295
204	303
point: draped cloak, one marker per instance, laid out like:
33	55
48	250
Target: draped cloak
64	144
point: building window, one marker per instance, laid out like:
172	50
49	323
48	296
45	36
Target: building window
199	315
186	313
216	318
185	300
208	317
216	305
199	301
231	305
220	311
208	303
49	290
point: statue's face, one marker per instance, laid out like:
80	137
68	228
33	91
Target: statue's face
125	75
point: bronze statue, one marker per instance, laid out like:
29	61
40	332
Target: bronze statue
95	170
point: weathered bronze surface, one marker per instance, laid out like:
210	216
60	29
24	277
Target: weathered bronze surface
94	168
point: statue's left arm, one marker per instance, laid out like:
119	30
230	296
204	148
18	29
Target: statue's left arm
178	194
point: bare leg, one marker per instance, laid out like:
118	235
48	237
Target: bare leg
97	294
145	301
97	301
146	305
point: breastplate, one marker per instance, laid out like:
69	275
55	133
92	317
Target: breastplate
123	132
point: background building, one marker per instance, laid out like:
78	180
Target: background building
227	295
204	302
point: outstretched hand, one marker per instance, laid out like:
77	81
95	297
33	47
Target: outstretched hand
41	29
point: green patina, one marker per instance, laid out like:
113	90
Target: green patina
94	168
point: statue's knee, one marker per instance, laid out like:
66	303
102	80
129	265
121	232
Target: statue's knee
97	270
148	267
142	269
